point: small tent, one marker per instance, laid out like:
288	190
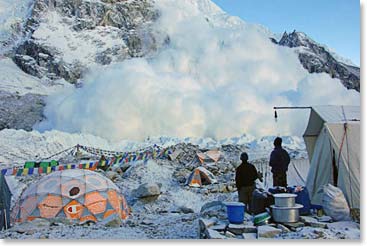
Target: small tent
210	156
332	140
76	194
200	176
5	200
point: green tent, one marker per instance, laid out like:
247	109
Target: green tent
5	199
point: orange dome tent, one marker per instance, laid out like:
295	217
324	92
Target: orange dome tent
79	195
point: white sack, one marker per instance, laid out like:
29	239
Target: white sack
334	203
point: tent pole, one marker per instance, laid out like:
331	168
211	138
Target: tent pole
276	114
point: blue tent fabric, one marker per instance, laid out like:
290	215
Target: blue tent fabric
5	200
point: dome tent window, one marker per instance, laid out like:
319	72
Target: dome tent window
74	191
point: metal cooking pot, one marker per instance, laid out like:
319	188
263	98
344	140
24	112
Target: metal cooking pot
286	214
285	200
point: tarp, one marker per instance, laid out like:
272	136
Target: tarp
5	200
332	139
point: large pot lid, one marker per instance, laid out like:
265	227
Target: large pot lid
284	195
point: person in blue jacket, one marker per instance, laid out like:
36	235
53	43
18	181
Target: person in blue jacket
279	161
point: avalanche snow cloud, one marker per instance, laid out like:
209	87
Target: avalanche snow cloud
217	77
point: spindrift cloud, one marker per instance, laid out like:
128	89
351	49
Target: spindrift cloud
216	78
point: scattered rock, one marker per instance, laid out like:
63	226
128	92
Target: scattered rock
241	228
112	175
266	231
343	225
213	234
186	210
219	227
325	218
31	227
283	228
230	235
294	226
112	221
147	222
216	206
249	236
206	223
310	221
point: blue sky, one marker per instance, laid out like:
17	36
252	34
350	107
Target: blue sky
335	23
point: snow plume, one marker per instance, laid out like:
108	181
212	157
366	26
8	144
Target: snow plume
213	79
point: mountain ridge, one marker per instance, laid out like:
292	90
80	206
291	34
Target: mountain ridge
317	59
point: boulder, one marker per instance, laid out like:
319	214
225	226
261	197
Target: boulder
148	190
266	231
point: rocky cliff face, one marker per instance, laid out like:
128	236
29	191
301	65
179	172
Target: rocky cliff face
63	38
317	59
20	111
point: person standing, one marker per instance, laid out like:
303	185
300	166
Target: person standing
246	174
279	161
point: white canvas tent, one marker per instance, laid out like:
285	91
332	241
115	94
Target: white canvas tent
332	140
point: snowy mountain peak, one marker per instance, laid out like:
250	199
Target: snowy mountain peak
295	39
317	58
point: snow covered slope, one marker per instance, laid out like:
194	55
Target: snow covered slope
14	80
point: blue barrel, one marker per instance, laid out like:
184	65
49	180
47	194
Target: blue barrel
235	212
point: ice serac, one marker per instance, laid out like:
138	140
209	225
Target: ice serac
319	59
66	37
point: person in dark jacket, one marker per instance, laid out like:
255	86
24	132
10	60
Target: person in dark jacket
279	161
246	174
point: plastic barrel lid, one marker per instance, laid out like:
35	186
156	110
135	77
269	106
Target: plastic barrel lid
240	204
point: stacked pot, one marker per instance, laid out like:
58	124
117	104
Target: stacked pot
285	209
